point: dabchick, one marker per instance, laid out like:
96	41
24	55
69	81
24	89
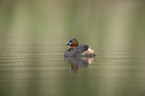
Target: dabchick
78	50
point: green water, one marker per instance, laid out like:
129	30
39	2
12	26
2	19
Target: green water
33	37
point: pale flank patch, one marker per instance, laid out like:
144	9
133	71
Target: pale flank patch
90	50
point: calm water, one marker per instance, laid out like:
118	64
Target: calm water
33	41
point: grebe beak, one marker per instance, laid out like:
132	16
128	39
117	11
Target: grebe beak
67	43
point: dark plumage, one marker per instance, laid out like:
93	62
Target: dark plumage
78	50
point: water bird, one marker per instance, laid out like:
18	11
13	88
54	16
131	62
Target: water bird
75	49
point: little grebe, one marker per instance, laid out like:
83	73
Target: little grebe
78	50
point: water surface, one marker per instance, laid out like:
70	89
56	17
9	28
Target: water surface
33	37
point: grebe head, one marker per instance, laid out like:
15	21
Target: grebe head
72	42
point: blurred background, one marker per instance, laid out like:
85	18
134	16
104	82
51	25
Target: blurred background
33	37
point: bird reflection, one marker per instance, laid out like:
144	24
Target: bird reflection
78	62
